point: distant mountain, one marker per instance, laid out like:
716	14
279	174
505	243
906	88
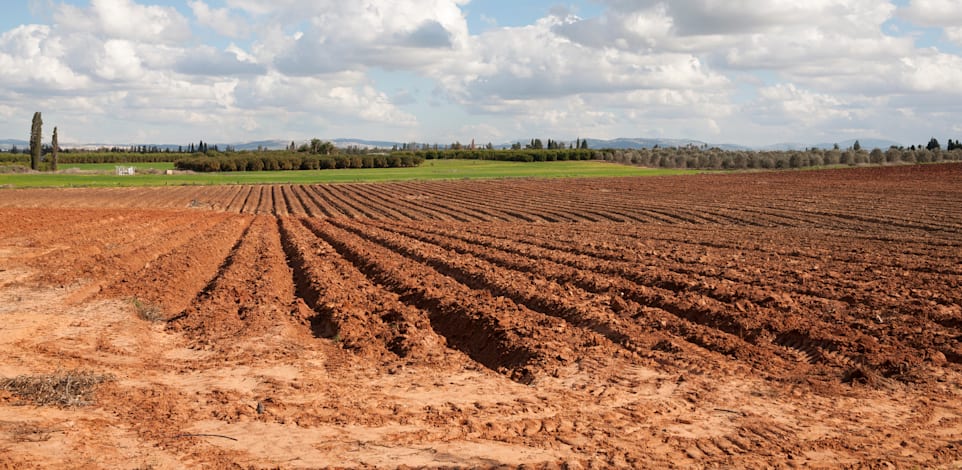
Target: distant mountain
731	147
866	144
642	143
625	143
275	144
264	144
378	144
97	146
781	147
620	143
7	144
283	144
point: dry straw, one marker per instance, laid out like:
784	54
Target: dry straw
62	388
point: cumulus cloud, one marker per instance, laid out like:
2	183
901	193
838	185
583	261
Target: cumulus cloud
125	19
207	60
935	73
430	34
307	37
954	34
684	68
945	14
220	20
785	103
933	12
331	96
32	59
138	63
535	62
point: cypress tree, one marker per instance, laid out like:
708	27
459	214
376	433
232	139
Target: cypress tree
35	144
54	149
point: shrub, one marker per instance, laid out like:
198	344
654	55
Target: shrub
148	311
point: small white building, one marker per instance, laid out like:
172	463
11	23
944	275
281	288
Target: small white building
125	171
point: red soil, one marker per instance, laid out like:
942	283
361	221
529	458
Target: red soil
770	319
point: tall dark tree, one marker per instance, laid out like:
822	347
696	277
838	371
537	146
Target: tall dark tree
584	144
933	144
857	146
54	150
36	132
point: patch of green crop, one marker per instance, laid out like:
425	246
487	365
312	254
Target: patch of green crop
429	170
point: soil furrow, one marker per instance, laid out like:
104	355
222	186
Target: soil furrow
492	331
170	281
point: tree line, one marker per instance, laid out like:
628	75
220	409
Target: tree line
97	157
718	159
537	144
523	155
317	154
287	160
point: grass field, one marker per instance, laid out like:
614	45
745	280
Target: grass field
430	170
110	166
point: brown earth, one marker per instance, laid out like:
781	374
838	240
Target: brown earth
796	319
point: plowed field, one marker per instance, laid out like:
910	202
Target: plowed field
797	319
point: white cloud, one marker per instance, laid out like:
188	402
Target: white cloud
206	60
219	19
125	19
737	70
933	12
954	34
934	73
946	14
119	61
788	104
333	96
535	62
32	59
316	37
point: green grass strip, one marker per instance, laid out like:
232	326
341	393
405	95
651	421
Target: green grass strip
430	170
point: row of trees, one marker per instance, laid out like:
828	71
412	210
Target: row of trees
287	160
528	155
534	144
688	157
537	144
717	159
953	145
142	149
97	157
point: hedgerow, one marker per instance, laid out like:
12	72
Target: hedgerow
717	159
284	161
98	157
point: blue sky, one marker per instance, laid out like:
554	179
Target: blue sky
754	73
